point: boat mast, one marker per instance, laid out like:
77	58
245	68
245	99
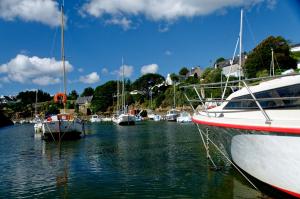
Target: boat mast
63	51
272	71
35	106
118	95
174	101
123	87
241	46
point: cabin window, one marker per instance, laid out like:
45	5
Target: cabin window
267	99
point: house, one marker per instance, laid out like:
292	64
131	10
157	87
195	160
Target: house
7	99
235	70
194	72
84	104
296	49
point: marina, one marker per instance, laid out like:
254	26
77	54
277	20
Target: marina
152	160
205	105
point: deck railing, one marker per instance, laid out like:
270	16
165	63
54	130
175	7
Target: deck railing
201	99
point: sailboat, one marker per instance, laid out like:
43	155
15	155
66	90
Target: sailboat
172	114
122	116
64	125
38	124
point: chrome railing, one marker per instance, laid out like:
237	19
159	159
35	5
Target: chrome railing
200	99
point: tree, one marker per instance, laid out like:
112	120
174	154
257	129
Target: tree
145	82
174	77
103	96
89	91
73	95
260	58
220	59
29	97
183	71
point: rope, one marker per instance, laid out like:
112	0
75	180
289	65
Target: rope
229	160
206	147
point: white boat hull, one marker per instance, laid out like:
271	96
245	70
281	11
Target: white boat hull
271	157
52	130
124	120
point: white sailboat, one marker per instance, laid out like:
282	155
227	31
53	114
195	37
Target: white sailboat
65	125
38	124
122	116
173	113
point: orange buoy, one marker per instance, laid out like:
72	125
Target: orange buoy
60	98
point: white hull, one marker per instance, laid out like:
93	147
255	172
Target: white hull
124	119
268	152
184	117
65	129
272	159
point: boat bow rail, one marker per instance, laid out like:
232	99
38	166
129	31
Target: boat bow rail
249	94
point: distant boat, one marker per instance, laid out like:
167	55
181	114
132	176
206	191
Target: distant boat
95	118
62	126
173	113
157	118
184	117
122	116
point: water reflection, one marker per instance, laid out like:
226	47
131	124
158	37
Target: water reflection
151	160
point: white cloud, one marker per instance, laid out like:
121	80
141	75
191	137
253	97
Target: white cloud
104	71
128	70
80	70
90	78
24	69
151	68
45	80
123	22
167	10
43	11
168	53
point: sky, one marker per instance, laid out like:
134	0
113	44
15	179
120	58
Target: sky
152	36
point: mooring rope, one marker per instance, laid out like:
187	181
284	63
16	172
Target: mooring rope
200	131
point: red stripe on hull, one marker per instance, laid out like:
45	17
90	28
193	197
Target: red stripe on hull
297	195
248	127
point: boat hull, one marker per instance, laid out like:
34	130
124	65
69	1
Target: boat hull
270	157
66	130
124	120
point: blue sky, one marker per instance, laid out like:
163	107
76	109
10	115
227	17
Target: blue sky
153	36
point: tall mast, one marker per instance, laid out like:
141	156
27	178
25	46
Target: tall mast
123	86
272	64
241	46
118	94
174	101
35	106
63	48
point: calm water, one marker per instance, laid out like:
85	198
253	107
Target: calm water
149	160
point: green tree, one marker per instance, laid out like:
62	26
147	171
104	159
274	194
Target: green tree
145	82
260	58
29	97
89	91
103	96
183	71
220	59
73	95
174	77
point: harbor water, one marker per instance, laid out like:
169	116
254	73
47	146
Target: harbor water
149	160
